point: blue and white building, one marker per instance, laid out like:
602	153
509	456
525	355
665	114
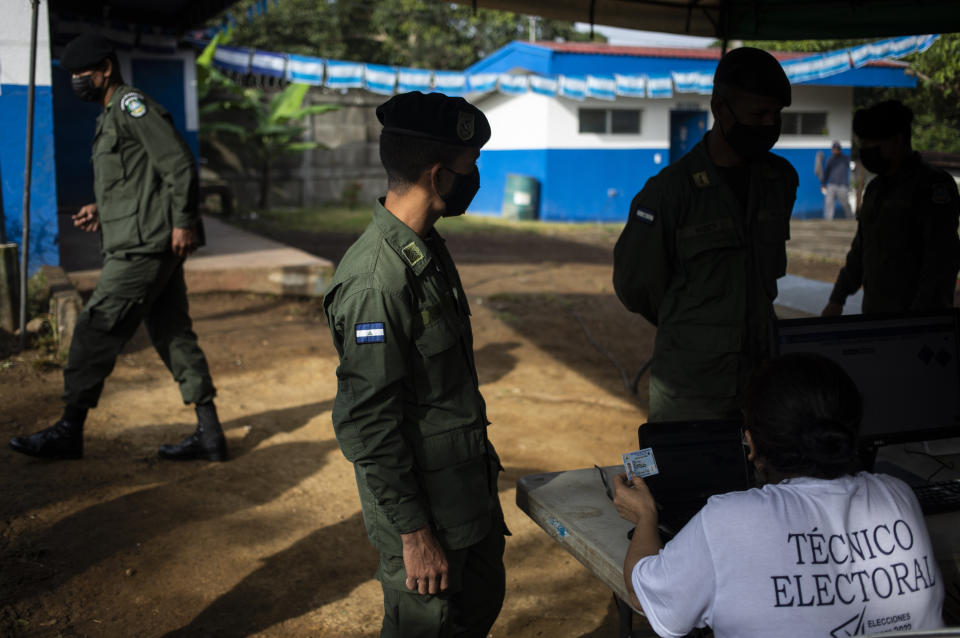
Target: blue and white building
591	155
151	58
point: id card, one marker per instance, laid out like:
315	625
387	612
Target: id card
640	463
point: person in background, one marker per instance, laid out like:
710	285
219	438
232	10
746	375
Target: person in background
818	550
145	183
705	243
906	252
835	182
409	414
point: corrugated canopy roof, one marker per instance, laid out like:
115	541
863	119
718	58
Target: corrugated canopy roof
751	19
179	15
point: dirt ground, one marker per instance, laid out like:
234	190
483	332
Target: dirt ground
272	543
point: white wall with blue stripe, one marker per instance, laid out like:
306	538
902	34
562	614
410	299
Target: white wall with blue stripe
14	92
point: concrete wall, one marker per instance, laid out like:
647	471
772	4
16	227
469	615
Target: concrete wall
347	166
14	93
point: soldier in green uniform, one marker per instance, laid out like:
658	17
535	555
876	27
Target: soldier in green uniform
409	414
704	245
145	183
906	252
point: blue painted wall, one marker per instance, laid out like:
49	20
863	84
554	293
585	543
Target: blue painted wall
43	190
592	185
583	185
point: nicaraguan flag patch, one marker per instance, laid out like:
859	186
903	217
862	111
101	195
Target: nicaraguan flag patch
646	215
370	332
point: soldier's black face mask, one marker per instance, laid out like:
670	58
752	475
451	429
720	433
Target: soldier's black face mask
465	187
84	88
873	160
750	141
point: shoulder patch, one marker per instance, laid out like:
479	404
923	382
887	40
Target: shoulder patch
940	194
133	105
701	179
370	332
645	215
412	253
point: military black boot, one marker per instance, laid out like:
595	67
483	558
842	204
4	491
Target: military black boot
62	440
206	443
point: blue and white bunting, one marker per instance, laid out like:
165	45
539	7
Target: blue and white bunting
896	48
513	84
693	82
601	87
483	82
543	86
573	87
816	66
413	80
343	75
233	59
387	80
631	85
270	64
380	79
660	86
450	82
305	70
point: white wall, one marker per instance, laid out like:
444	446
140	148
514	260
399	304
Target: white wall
837	101
534	121
15	44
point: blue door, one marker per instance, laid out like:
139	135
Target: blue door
686	129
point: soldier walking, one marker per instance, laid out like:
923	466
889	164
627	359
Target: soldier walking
145	183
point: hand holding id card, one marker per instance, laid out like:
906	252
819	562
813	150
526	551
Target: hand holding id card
640	463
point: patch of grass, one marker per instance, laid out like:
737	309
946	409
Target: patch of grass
342	219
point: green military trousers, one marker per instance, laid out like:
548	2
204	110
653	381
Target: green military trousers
131	289
467	609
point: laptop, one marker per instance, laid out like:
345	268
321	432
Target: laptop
696	460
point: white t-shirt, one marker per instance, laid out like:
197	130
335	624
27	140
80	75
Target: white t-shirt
805	557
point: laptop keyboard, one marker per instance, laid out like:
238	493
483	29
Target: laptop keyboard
938	497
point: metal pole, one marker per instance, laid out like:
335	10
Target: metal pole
28	169
3	217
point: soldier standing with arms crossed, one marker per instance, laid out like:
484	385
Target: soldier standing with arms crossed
704	246
408	412
145	182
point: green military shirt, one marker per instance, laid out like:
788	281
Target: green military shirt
703	268
408	412
145	179
906	251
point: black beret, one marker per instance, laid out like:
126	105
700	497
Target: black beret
882	120
754	71
435	116
85	51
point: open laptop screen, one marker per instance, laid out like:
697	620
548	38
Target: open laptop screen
906	367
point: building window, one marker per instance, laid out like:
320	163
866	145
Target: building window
801	123
610	121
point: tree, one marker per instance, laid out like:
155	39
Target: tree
414	33
935	101
268	129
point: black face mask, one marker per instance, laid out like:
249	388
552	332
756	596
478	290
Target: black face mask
751	141
465	187
84	88
873	160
